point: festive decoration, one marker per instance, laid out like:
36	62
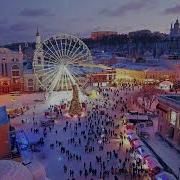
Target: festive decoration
75	107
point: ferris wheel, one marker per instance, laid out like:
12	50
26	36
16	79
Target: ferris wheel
62	61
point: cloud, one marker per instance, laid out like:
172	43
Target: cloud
3	21
22	26
128	7
172	10
35	12
17	32
126	28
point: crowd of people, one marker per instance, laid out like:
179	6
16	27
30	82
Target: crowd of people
95	146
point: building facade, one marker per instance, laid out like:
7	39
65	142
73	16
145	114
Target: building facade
11	70
16	69
168	110
104	78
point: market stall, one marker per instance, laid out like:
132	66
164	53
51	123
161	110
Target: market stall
136	144
152	165
142	152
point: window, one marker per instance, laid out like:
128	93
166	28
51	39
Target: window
15	70
30	83
173	118
6	69
2	66
39	60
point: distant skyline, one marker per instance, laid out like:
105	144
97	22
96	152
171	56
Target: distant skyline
19	19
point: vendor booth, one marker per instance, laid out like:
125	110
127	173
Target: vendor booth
142	152
152	165
136	144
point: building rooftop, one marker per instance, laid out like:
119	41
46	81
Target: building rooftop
3	116
173	100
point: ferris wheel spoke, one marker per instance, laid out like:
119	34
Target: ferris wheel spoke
74	73
69	47
62	80
58	47
69	81
45	66
71	51
49	56
45	69
72	55
70	76
65	46
80	53
76	57
83	58
54	55
56	52
65	80
62	47
59	81
48	80
54	82
77	74
48	75
75	79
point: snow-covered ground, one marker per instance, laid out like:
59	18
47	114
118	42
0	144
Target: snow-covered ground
17	101
52	158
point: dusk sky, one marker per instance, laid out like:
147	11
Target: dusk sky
19	19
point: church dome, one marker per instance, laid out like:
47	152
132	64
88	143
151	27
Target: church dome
12	170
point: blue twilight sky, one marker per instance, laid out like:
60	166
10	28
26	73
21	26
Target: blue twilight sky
20	18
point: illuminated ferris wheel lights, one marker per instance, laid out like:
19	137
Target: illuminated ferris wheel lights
60	68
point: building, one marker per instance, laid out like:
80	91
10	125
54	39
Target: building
101	34
16	69
4	133
29	77
175	30
168	110
11	70
104	78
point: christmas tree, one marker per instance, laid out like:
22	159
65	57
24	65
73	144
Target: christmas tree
75	107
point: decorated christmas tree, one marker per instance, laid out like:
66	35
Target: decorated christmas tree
75	107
